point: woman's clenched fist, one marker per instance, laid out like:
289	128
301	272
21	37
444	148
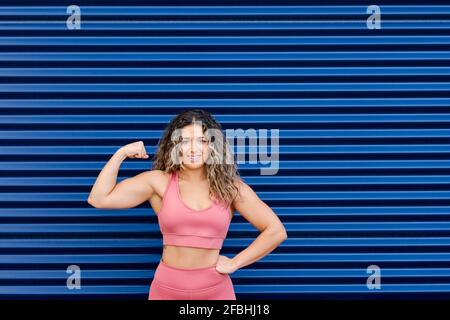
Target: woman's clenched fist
135	150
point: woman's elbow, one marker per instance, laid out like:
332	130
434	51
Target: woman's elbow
284	234
93	202
279	233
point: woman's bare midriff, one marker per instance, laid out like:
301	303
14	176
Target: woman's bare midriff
189	257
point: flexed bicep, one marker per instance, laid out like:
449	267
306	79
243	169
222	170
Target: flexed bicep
129	193
106	193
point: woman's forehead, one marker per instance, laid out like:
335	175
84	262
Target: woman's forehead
192	131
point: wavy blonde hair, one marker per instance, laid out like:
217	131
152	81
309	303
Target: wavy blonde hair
221	168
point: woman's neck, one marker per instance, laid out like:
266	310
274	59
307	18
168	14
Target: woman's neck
193	175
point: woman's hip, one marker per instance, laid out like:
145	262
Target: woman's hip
171	283
188	279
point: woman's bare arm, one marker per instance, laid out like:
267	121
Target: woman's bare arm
262	217
128	193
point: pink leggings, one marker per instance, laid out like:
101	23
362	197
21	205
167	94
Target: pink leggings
172	283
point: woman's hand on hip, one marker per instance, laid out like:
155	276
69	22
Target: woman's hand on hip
225	265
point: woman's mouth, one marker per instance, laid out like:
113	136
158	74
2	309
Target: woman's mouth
194	158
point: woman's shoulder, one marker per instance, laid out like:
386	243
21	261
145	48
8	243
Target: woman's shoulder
158	174
159	181
157	177
239	183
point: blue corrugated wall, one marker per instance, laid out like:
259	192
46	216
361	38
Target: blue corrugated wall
364	120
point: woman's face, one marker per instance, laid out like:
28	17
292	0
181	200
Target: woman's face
194	146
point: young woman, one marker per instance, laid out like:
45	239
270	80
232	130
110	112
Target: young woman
194	188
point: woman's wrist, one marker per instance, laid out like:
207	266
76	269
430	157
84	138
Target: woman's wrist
235	263
121	153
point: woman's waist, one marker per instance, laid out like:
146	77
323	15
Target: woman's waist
189	257
177	278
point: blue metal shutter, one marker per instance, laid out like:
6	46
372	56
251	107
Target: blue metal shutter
364	133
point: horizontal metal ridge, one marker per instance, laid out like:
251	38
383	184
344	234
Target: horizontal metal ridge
292	180
299	243
98	228
226	56
223	40
106	104
224	10
223	118
283	212
292	165
195	24
221	72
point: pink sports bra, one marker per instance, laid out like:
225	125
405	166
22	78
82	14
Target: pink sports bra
181	225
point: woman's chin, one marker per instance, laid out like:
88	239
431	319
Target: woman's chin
193	165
